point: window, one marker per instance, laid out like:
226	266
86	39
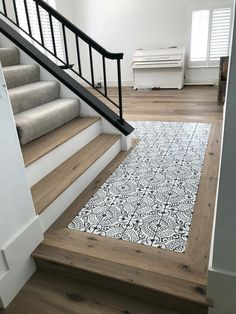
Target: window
220	33
210	37
199	39
45	26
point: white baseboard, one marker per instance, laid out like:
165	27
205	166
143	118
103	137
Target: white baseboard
124	83
19	265
56	209
199	84
221	292
15	280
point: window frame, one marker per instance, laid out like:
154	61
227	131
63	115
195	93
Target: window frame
50	55
209	63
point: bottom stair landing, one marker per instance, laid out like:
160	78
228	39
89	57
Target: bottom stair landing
163	279
79	272
125	268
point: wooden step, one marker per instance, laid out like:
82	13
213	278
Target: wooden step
56	182
80	255
43	145
48	293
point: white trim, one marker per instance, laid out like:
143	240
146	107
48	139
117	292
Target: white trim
14	281
222	272
19	265
209	63
22	244
199	84
202	66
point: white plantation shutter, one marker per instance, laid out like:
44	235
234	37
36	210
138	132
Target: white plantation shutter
199	38
210	36
45	25
220	33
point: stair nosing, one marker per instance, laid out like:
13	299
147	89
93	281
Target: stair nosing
202	299
54	145
40	209
42	82
19	65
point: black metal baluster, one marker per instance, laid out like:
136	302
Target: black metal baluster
65	44
52	35
91	64
78	55
27	18
16	13
55	17
120	91
40	24
4	7
104	75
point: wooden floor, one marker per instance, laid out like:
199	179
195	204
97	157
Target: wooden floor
195	103
183	274
55	294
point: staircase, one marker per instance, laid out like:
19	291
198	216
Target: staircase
63	152
68	137
37	105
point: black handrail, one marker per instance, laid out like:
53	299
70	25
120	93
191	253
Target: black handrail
64	78
78	32
78	36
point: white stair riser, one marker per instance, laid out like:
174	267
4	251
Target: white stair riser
55	209
43	166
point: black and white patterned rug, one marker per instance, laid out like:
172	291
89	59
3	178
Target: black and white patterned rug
150	197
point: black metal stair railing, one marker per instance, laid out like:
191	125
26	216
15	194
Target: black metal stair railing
78	36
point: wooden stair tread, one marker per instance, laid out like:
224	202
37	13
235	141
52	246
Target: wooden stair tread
128	274
51	186
48	293
46	143
124	252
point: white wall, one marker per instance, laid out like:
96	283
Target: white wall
222	267
20	230
124	26
66	8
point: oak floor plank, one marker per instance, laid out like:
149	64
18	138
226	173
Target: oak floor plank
130	281
192	103
130	254
171	269
47	293
201	229
177	267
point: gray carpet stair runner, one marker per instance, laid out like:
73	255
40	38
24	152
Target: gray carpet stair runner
37	105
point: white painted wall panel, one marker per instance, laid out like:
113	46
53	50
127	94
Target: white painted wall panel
124	26
18	220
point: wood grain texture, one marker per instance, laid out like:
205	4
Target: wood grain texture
47	293
145	281
192	103
169	279
129	254
131	284
201	228
43	145
51	186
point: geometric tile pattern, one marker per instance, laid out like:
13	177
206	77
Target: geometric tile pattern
150	197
